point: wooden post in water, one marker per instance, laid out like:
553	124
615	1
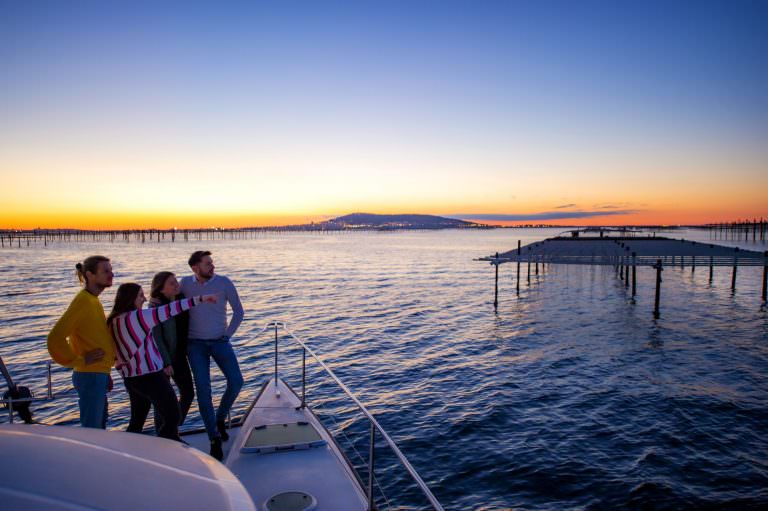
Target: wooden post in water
518	267
765	273
529	266
711	265
733	277
659	269
634	274
496	284
626	267
621	264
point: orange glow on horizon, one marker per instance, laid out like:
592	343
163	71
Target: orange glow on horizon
167	220
116	221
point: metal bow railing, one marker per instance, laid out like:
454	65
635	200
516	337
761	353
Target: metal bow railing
374	424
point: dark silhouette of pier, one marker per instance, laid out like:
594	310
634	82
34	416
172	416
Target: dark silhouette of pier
626	254
741	230
21	238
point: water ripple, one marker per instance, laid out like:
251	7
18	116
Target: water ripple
569	397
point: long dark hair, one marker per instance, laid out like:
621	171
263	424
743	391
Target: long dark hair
125	300
158	283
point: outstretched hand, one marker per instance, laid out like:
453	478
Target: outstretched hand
210	298
93	356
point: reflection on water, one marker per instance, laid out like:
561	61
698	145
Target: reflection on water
569	396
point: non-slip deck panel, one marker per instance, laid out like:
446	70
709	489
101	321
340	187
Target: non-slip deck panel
282	437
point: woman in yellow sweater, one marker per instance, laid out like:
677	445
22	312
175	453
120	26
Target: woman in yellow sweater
80	340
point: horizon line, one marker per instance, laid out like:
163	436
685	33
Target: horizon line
6	230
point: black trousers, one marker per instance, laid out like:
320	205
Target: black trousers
182	377
153	389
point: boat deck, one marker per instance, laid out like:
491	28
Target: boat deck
320	471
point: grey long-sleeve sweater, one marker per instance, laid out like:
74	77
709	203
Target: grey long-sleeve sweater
209	320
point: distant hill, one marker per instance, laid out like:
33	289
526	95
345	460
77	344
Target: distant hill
371	221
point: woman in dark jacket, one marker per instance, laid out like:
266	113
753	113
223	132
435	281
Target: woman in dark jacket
171	339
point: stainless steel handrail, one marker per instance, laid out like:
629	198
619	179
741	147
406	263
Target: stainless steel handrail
9	402
375	426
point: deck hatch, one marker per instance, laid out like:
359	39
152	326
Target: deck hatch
291	501
282	437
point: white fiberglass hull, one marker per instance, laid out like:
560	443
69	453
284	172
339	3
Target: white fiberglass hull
320	471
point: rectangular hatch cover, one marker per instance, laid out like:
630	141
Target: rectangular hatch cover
282	437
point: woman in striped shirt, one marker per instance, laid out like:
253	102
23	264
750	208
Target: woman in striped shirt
139	360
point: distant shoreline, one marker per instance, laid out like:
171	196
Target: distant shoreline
29	237
363	222
304	228
291	228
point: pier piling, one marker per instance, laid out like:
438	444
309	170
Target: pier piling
496	284
659	269
529	267
634	274
765	274
626	269
518	267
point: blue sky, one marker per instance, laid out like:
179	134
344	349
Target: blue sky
391	104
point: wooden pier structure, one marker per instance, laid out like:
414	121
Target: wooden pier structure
747	230
19	239
625	254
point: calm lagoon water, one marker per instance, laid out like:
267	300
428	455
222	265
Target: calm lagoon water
569	397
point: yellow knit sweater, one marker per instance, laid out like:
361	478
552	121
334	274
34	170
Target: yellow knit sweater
81	329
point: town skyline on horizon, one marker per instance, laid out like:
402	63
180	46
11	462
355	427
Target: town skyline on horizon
597	113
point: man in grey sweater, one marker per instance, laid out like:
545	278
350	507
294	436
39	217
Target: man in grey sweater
209	336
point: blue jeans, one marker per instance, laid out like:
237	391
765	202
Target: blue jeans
200	352
92	393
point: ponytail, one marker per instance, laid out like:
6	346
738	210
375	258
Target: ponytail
89	264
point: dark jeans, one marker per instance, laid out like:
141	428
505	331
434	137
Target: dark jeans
200	352
153	389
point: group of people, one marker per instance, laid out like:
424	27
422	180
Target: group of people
184	327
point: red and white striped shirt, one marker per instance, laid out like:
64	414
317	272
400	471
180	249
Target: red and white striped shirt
137	352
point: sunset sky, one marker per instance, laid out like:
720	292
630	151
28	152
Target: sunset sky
134	114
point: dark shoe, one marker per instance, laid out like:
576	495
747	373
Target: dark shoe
222	427
216	451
